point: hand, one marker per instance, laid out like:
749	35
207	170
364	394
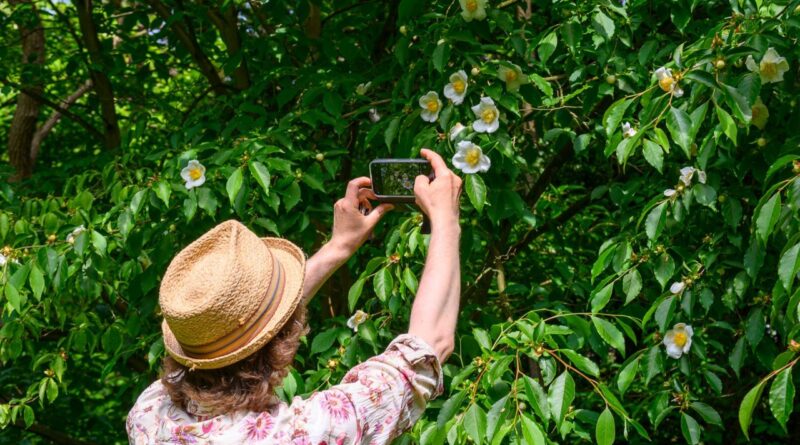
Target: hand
439	199
351	225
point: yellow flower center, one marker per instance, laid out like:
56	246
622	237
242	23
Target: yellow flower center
511	76
473	156
195	173
432	106
680	339
488	115
769	69
666	83
472	5
459	86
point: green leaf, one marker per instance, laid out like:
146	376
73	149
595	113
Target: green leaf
705	195
99	242
601	297
531	432
610	333
450	407
482	337
36	280
702	77
537	398
355	292
324	341
234	184
632	285
476	190
440	56
741	107
627	375
51	390
163	191
603	25
679	125
709	414
541	84
789	266
261	173
736	358
547	46
665	311
748	405
28	416
655	221
583	363
614	114
383	283
13	297
391	132
727	123
475	423
605	431
691	429
664	269
653	154
560	396
781	397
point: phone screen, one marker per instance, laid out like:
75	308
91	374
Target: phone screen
395	177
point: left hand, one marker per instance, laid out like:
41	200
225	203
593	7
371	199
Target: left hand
351	226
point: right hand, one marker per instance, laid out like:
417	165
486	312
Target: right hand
439	198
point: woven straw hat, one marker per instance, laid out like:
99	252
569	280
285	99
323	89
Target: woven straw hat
227	294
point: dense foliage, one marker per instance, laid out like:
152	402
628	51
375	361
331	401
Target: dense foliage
630	256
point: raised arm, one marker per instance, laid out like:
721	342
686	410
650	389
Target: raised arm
351	228
435	310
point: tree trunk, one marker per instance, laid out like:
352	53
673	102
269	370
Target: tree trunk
102	84
227	22
23	125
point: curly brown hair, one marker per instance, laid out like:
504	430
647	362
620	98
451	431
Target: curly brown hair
248	384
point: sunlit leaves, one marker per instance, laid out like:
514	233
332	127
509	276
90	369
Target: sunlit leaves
605	430
476	191
781	396
560	396
747	406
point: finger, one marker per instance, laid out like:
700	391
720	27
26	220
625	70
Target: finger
377	213
437	163
366	194
420	184
354	186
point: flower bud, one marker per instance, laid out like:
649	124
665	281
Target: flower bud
475	71
320	157
440	42
794	346
761	142
333	363
611	79
719	64
403	30
51	238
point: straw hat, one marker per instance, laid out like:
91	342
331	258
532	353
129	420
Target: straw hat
227	294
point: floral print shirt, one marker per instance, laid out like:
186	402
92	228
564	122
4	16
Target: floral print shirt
377	401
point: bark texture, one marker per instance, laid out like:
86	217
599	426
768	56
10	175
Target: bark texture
23	125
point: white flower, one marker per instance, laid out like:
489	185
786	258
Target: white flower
75	232
431	105
687	173
456	131
512	76
669	193
677	287
470	158
760	114
678	340
628	131
457	88
488	116
194	174
667	82
473	9
374	116
357	319
362	88
3	260
771	68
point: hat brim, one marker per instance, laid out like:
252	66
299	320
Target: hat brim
294	263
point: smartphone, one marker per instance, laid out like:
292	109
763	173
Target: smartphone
393	179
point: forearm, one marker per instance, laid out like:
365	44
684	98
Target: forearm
435	310
321	266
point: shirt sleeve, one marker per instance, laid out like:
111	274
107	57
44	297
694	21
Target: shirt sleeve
377	400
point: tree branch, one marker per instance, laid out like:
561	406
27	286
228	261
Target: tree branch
226	22
187	38
102	84
57	437
79	120
51	122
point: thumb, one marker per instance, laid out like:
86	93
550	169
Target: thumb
377	213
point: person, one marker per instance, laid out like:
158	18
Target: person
234	311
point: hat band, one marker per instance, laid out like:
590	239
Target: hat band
247	331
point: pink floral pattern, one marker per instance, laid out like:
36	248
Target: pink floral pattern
377	401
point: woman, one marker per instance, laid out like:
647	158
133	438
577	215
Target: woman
234	312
